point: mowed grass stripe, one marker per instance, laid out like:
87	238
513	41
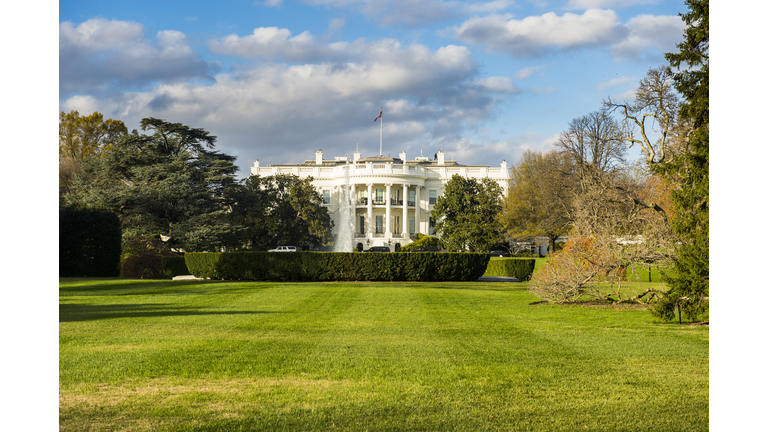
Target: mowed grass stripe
252	356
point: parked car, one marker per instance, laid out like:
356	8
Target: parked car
284	249
498	253
378	249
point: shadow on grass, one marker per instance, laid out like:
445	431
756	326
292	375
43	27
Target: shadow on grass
86	312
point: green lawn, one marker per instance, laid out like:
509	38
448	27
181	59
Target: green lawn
172	355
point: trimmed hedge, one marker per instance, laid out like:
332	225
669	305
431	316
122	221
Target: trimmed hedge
89	242
174	266
336	266
147	266
521	268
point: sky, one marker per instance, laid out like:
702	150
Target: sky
277	80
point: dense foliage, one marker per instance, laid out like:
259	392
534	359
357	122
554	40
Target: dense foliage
424	242
521	269
89	242
332	266
146	266
689	172
174	266
468	214
168	186
280	210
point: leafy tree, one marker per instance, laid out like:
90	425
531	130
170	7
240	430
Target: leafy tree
281	210
689	173
168	186
538	201
79	138
83	136
468	214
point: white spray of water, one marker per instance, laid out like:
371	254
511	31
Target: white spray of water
345	230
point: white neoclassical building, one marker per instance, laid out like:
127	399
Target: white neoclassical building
390	199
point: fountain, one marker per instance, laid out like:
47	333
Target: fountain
344	241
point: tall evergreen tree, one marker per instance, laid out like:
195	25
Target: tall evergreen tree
169	188
689	171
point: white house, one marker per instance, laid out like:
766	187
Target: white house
390	199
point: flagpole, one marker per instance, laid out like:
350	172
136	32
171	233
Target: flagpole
381	131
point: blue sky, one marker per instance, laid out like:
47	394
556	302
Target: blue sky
278	80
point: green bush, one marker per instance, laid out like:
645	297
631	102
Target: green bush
520	268
89	242
147	266
423	242
173	266
337	266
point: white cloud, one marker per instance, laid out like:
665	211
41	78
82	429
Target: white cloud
272	3
530	71
496	85
620	81
414	13
659	32
281	113
589	4
534	35
98	53
273	43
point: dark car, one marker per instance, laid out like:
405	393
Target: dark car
378	249
498	253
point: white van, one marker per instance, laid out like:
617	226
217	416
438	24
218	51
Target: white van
283	249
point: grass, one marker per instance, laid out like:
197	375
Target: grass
210	356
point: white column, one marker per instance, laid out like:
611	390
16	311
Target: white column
405	210
369	222
388	197
417	208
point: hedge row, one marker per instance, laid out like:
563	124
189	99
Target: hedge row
337	266
521	268
89	242
174	266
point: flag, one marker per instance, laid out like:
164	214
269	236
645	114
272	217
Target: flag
378	116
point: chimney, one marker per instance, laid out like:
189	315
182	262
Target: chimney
319	157
402	156
441	157
504	164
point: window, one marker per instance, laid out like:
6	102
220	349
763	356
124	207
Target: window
411	198
432	197
326	197
411	224
379	196
379	224
398	226
362	224
431	226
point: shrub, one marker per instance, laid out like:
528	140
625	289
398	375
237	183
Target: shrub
423	242
173	266
511	267
570	273
333	266
89	242
147	266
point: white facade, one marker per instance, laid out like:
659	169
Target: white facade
391	198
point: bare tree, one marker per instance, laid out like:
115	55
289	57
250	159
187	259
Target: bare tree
655	109
594	142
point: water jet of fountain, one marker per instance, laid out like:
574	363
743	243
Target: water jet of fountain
344	233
